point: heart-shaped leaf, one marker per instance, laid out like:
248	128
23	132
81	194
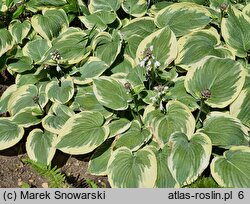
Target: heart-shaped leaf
19	30
189	156
225	130
62	92
187	17
232	169
103	5
56	117
178	117
40	146
100	19
197	45
218	81
82	133
50	23
136	8
132	170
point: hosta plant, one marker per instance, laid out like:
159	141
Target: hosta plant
157	92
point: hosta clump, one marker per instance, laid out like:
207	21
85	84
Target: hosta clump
157	93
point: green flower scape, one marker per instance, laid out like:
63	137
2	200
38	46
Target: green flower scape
157	92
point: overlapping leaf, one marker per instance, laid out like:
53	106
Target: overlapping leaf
189	156
183	18
132	170
225	130
235	31
232	169
82	133
218	80
10	133
40	146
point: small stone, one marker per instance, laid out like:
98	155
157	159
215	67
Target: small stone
45	185
31	180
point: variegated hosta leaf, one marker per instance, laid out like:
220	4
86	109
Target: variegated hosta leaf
183	18
224	129
107	46
165	52
36	49
197	45
25	96
71	38
85	100
98	163
164	176
215	79
21	64
111	93
50	23
155	8
134	137
19	30
178	117
104	5
62	92
56	117
28	116
82	133
94	67
118	126
137	76
132	170
136	8
40	146
179	93
100	19
124	65
240	108
6	41
232	169
189	156
4	100
10	133
135	31
35	5
235	31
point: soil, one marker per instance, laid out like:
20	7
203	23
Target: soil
14	173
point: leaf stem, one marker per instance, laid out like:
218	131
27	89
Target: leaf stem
200	110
